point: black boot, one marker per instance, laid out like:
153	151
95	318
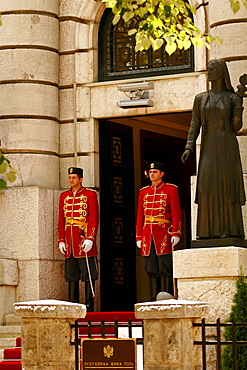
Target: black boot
168	285
74	291
155	287
89	297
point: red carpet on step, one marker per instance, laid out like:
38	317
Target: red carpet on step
109	318
13	353
10	355
10	365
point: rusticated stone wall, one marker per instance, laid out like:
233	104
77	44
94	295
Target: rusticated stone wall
29	137
29	62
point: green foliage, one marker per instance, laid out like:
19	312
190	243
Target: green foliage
239	314
164	21
159	22
7	172
236	4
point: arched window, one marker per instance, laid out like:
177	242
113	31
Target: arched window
118	59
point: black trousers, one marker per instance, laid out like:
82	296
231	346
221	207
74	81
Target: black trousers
76	268
156	266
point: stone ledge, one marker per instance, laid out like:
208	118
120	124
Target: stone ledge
50	309
171	309
209	262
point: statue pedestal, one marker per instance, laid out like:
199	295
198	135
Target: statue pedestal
209	275
224	242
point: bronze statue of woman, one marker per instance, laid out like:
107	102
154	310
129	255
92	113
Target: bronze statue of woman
220	189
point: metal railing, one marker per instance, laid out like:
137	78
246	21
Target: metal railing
106	329
218	342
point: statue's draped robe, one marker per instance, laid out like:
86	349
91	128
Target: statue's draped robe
220	189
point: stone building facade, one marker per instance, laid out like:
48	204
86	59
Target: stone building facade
54	113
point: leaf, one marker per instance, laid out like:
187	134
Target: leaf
132	31
157	23
151	9
209	38
111	3
128	15
143	11
145	42
11	176
3	184
170	48
198	42
218	40
187	44
193	10
1	158
180	44
145	27
3	167
115	10
138	47
157	44
244	3
116	19
235	6
167	10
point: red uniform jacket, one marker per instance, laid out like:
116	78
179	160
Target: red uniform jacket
158	217
78	220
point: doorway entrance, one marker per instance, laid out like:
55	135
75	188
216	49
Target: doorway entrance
127	146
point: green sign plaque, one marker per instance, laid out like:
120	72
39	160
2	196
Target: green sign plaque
103	354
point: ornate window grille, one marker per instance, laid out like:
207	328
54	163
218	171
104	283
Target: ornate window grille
118	59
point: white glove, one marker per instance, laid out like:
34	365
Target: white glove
62	247
174	240
139	243
87	245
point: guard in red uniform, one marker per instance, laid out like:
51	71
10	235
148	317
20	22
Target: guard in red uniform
158	228
77	229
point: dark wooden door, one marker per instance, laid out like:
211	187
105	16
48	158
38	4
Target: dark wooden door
117	218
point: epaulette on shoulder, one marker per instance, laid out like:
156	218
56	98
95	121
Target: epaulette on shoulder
65	191
91	190
144	187
171	184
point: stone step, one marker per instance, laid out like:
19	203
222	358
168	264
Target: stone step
11	319
10	331
8	334
1	354
7	343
